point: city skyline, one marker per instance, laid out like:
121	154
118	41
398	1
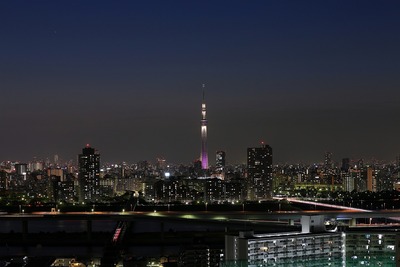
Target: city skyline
305	78
336	160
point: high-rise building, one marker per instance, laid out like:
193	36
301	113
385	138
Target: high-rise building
3	181
360	164
328	163
220	160
348	181
204	153
371	179
56	159
21	168
259	172
56	172
36	165
89	174
345	164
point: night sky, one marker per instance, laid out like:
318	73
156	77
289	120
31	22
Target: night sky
306	77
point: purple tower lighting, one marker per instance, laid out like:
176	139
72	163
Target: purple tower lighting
204	154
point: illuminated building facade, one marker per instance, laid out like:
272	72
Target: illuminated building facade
65	191
328	164
214	190
89	174
220	161
372	248
317	243
36	166
309	247
21	168
259	172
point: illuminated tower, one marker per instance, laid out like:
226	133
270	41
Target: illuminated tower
204	154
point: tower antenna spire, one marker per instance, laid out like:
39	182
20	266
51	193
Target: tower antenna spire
204	86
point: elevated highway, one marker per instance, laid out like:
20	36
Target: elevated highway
200	216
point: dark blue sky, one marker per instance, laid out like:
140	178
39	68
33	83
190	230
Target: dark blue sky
125	76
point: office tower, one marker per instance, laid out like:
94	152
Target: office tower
371	179
345	164
47	163
56	159
35	166
259	171
328	160
3	181
360	164
360	179
348	181
204	154
220	160
89	174
384	179
21	168
56	172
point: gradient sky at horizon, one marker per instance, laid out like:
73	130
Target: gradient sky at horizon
306	77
